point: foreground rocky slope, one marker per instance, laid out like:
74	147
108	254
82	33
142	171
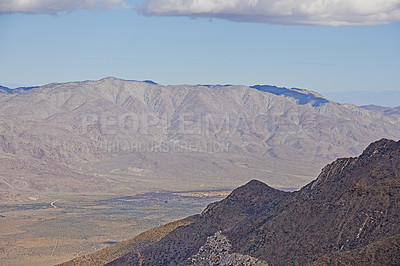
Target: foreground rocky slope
349	214
139	242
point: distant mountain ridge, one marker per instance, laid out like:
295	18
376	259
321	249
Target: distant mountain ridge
115	130
387	111
302	95
350	212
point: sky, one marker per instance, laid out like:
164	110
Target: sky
325	46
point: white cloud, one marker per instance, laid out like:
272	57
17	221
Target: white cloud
292	12
55	6
289	12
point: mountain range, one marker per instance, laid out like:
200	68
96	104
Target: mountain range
124	137
347	216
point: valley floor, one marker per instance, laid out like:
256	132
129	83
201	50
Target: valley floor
55	231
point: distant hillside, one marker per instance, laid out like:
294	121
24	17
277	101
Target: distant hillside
387	111
349	214
123	137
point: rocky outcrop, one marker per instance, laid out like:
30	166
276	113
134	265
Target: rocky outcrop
218	251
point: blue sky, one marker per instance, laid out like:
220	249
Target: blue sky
171	47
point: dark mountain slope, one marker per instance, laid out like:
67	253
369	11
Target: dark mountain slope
231	215
139	242
353	204
384	252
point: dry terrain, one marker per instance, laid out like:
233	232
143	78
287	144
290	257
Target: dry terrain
50	232
70	152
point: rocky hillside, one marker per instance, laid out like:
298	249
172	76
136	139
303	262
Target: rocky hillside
349	214
124	137
139	242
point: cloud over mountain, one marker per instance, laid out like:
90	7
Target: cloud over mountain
55	6
305	12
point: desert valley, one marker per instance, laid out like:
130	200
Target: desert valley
88	164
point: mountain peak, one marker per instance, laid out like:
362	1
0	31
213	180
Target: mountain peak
110	78
253	189
254	183
379	147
